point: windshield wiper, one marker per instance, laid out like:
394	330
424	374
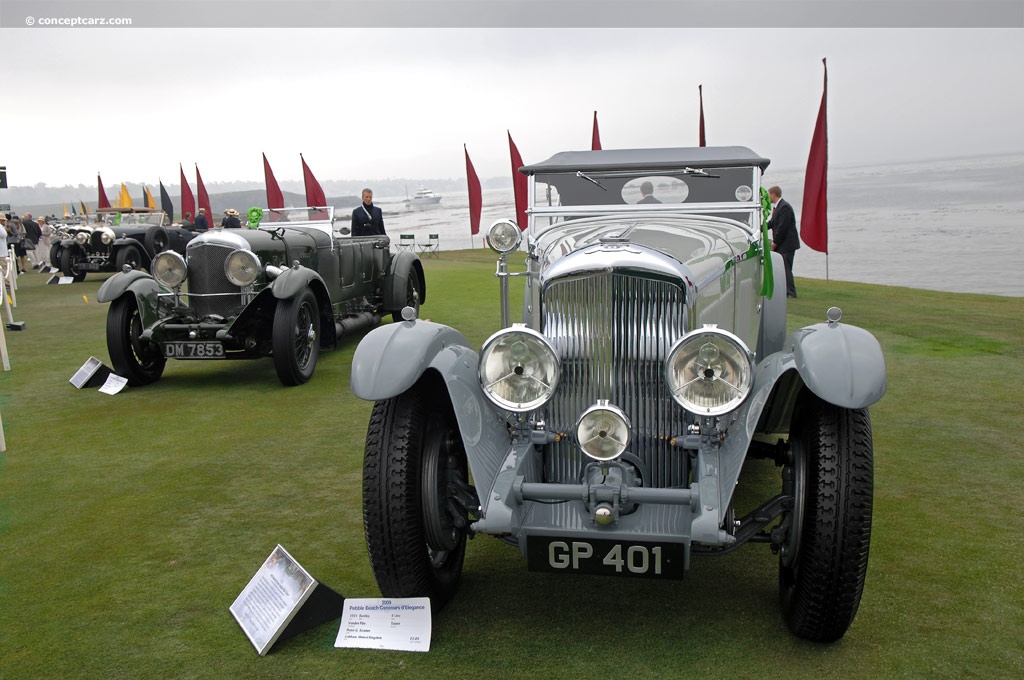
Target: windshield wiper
579	173
699	173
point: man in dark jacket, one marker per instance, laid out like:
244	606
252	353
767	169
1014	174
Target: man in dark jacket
201	223
785	239
231	220
367	219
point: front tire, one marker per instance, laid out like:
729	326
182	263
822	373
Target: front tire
55	250
156	241
69	257
129	255
413	466
296	338
137	360
823	563
413	296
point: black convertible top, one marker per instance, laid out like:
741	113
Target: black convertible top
648	159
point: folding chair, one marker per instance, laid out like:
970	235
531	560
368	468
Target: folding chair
430	248
406	242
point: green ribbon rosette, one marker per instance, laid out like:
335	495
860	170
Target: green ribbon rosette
768	282
255	215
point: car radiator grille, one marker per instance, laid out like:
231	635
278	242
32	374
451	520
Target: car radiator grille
210	292
613	332
97	245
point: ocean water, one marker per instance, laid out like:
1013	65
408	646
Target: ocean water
953	224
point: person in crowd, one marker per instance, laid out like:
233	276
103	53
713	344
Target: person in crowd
231	220
368	219
4	249
47	232
785	239
201	222
187	223
647	193
32	236
16	237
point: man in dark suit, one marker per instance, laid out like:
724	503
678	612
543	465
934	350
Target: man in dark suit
367	219
785	239
201	222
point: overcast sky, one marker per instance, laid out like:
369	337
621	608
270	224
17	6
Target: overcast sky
375	103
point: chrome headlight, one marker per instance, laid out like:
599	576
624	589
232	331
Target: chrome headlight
504	236
169	268
709	371
242	267
603	431
81	238
106	236
518	369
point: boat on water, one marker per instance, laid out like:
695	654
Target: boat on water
422	198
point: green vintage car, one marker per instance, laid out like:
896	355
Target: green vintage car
288	289
606	430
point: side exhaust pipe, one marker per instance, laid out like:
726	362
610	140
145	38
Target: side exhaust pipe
356	322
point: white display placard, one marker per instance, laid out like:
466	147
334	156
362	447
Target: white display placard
114	384
402	624
271	599
87	370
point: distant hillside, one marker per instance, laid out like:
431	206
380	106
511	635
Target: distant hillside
239	200
241	195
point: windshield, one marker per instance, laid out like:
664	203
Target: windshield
687	186
154	219
280	216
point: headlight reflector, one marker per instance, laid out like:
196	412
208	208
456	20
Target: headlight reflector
81	238
603	431
518	369
504	236
709	371
106	236
242	267
169	268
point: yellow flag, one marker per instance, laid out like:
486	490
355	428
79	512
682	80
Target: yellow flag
150	203
125	199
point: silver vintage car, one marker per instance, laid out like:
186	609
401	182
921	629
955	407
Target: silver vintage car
606	432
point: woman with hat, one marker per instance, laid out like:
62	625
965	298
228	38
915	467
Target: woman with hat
231	220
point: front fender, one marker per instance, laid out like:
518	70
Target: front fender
139	282
403	265
841	364
144	287
293	281
391	358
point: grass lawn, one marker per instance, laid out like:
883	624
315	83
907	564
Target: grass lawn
129	523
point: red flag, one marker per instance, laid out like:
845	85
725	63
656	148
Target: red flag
188	202
314	192
518	183
700	94
475	195
204	198
101	201
814	218
595	136
275	199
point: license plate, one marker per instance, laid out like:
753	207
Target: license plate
194	349
602	556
